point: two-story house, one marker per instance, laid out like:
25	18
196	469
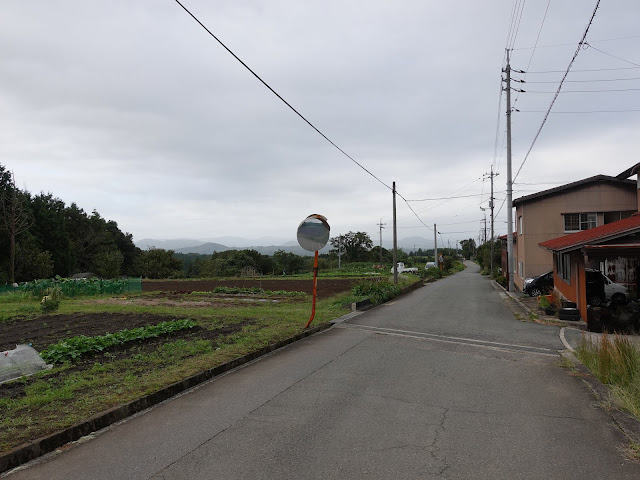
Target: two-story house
559	211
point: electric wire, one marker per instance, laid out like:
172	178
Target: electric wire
610	55
278	95
569	44
590	91
582	111
589	81
584	70
553	100
534	49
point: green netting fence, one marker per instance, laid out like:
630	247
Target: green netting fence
78	287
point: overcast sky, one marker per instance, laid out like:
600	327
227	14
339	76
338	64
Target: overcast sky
132	109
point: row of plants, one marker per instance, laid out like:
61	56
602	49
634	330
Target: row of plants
81	287
251	291
73	348
377	292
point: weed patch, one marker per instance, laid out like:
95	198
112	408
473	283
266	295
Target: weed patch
616	363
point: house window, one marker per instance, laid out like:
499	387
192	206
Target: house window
521	269
563	266
575	222
520	224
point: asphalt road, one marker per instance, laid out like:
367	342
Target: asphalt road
444	383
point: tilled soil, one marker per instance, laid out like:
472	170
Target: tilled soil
44	331
326	287
47	330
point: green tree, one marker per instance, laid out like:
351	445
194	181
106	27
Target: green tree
108	263
157	263
31	261
355	245
468	248
483	255
288	262
49	231
16	218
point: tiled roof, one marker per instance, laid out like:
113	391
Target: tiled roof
594	235
631	184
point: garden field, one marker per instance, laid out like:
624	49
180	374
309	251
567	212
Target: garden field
326	286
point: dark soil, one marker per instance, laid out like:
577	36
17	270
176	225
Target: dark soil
44	331
48	330
326	288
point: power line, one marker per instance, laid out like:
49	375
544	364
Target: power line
582	111
585	70
446	198
516	24
534	48
590	91
610	55
544	120
279	96
588	81
568	44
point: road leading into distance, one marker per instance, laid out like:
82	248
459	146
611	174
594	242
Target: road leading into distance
444	383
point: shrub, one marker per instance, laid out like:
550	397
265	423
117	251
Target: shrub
51	300
502	280
434	272
377	292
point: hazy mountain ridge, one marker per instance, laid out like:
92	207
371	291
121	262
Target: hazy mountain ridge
264	245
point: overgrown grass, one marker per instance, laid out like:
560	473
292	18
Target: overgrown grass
616	362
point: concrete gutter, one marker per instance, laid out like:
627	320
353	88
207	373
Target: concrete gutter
49	443
628	425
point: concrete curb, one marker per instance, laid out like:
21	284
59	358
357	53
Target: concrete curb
629	426
25	453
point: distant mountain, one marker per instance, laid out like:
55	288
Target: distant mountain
264	245
209	248
169	244
204	249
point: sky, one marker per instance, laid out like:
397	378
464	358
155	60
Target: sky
134	110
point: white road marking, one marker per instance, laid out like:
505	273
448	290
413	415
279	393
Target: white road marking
461	339
564	340
439	338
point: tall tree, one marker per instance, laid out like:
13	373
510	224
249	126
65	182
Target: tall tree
16	218
355	245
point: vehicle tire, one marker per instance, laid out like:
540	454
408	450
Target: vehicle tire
619	299
595	301
572	314
535	292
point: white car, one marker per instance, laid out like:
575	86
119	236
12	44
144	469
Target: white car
403	269
613	292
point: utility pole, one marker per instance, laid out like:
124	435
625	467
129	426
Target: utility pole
395	239
509	181
435	243
491	206
339	249
381	225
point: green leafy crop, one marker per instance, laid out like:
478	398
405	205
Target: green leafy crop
73	348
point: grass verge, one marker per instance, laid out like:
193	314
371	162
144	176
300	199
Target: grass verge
615	361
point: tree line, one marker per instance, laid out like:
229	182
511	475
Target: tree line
41	237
